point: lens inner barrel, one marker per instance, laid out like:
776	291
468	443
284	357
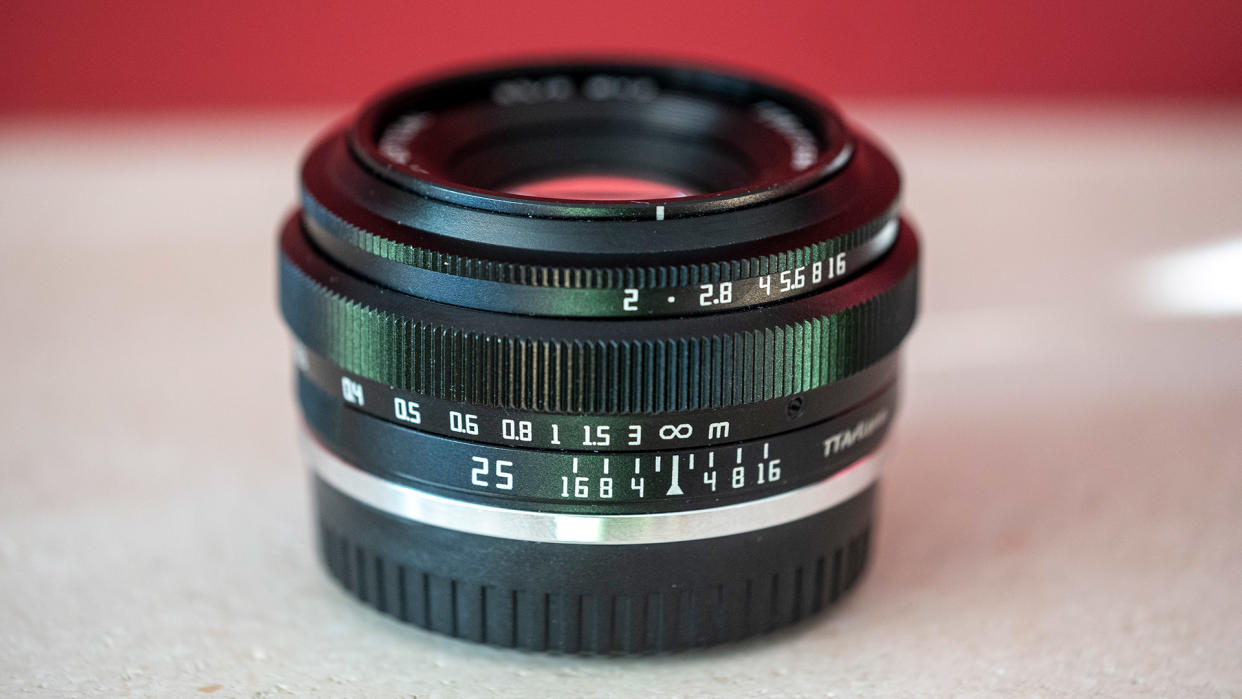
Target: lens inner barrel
605	425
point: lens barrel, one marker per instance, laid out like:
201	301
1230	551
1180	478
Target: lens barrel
597	425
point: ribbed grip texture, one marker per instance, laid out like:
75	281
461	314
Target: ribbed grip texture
568	375
665	620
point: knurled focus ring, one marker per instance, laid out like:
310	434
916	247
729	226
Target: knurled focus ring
601	367
588	433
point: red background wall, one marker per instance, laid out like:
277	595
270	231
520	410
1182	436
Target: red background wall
130	55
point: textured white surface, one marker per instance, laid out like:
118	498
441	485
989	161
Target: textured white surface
1062	509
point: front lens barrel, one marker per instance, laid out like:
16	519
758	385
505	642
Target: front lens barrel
611	425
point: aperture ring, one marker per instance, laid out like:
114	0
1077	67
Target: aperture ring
587	433
366	223
601	367
601	482
625	292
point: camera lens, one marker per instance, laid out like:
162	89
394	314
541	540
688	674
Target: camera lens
597	358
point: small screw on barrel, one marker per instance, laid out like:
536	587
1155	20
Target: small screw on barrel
794	409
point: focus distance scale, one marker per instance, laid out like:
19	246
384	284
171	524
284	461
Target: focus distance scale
591	432
595	357
563	480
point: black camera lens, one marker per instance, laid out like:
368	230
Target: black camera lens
597	357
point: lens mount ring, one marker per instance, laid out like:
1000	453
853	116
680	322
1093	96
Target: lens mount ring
601	366
584	598
603	481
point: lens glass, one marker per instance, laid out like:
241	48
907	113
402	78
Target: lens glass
725	142
599	187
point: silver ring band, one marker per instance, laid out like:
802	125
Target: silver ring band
550	527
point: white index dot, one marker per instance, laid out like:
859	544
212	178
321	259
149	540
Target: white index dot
672	299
